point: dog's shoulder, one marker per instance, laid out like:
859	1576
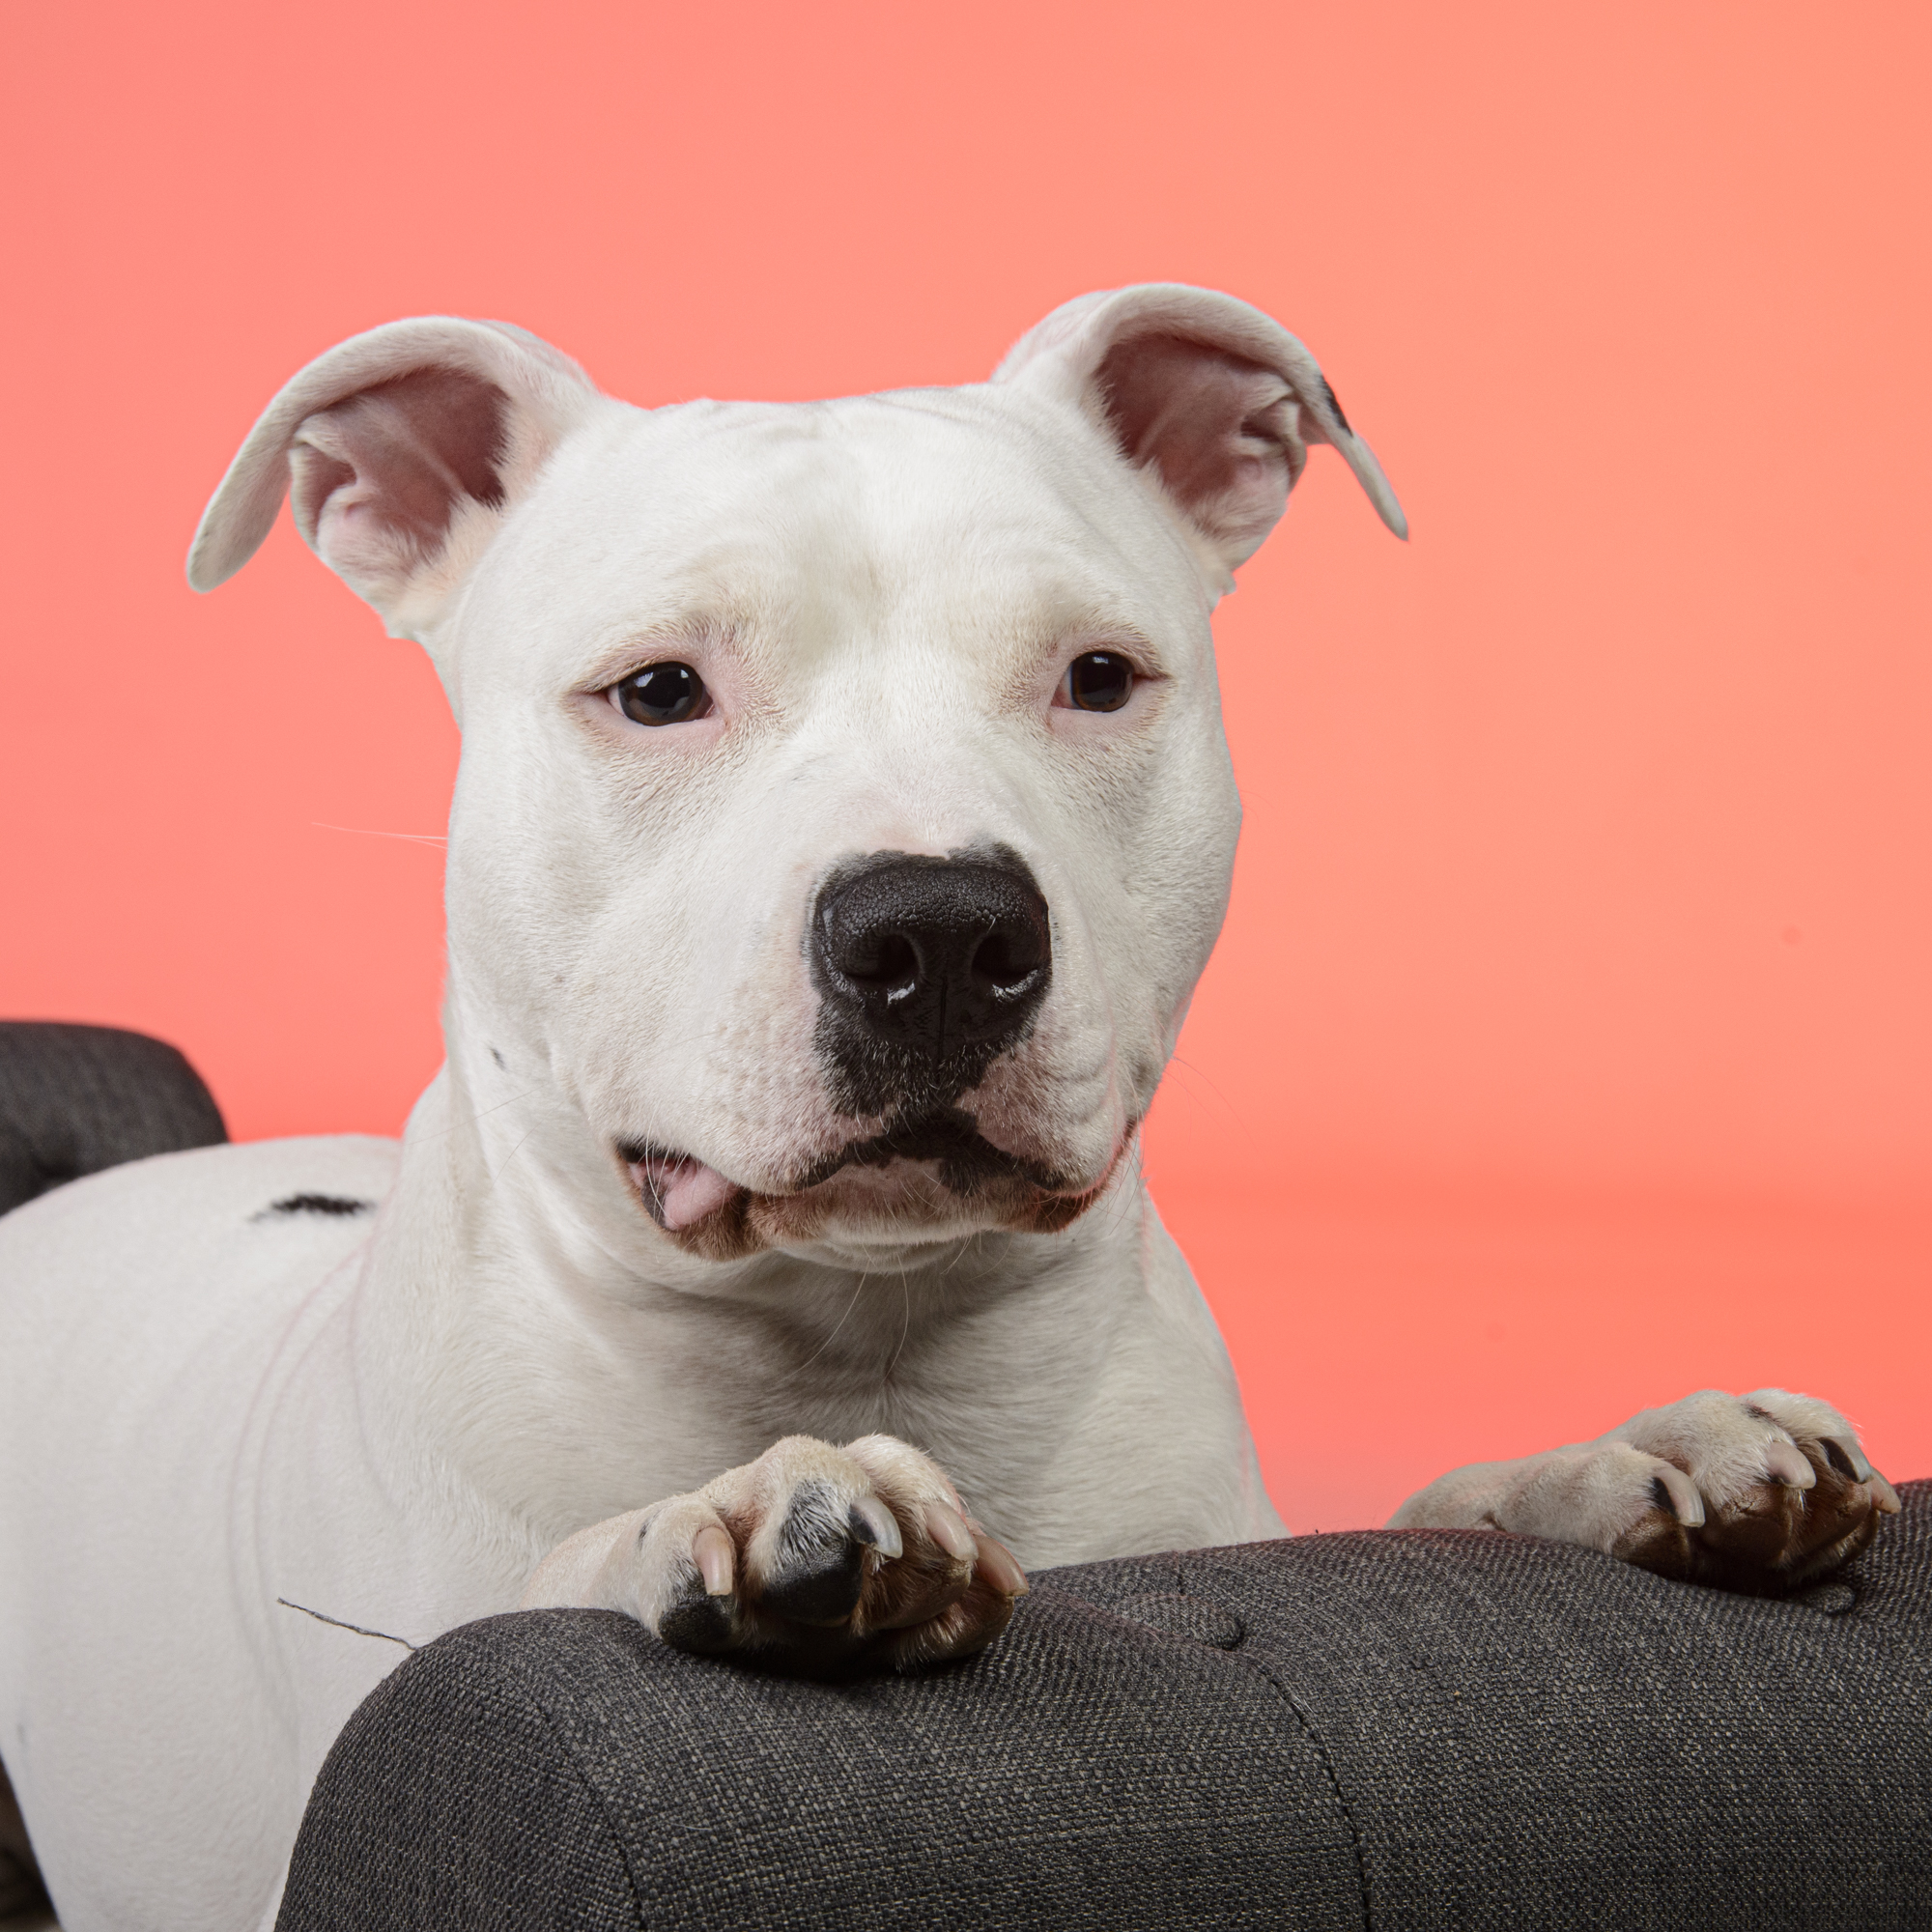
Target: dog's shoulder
239	1211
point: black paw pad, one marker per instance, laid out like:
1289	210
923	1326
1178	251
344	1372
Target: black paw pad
697	1622
821	1560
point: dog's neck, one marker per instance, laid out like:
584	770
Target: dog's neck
591	1349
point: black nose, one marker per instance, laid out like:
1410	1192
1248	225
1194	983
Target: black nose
928	967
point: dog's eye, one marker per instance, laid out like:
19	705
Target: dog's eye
662	693
1097	681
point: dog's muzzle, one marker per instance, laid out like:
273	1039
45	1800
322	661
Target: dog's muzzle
927	969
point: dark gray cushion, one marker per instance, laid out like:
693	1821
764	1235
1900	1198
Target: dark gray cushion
74	1099
1396	1730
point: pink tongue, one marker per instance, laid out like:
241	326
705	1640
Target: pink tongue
686	1190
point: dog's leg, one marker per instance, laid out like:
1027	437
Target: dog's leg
1762	1492
809	1559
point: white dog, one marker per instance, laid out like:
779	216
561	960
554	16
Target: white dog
843	821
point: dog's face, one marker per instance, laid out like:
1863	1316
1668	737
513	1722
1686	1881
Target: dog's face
889	925
845	816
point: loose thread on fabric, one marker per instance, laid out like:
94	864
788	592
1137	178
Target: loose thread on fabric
342	1626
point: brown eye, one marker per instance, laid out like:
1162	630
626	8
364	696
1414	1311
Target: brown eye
1099	681
662	693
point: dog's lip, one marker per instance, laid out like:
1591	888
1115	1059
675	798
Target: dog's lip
948	1136
678	1190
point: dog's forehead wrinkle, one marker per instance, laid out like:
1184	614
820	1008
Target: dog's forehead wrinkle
796	511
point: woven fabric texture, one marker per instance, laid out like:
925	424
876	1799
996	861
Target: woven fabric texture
74	1099
1391	1730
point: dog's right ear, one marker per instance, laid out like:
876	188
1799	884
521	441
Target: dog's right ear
401	450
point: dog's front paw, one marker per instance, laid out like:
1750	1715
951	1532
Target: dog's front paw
810	1559
1762	1493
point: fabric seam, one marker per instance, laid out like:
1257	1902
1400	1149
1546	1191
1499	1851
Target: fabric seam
1315	1737
571	1755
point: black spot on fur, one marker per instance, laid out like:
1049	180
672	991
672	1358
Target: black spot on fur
337	1204
496	1056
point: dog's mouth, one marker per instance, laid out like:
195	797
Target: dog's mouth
677	1189
713	1215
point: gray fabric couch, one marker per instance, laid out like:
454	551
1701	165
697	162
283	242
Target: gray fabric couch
1376	1730
1388	1730
74	1099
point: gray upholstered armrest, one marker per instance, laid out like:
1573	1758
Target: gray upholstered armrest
74	1099
1394	1730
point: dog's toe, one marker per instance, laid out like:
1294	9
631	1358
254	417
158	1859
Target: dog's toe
821	1551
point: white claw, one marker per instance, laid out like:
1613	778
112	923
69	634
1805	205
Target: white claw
1785	1463
1883	1494
1685	1501
711	1550
883	1525
948	1528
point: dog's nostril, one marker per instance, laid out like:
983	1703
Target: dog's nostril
881	959
1007	958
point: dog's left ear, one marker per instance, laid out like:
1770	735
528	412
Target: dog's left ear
1214	397
403	449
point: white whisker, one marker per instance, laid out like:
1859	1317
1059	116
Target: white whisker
1189	1067
478	1113
836	1326
367	832
511	1155
905	1288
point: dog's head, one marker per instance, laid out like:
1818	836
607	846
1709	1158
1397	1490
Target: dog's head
845	816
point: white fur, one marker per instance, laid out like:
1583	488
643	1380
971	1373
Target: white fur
209	1413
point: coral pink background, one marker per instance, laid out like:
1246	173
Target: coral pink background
1571	1043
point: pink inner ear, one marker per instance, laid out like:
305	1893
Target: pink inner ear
1207	421
403	454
